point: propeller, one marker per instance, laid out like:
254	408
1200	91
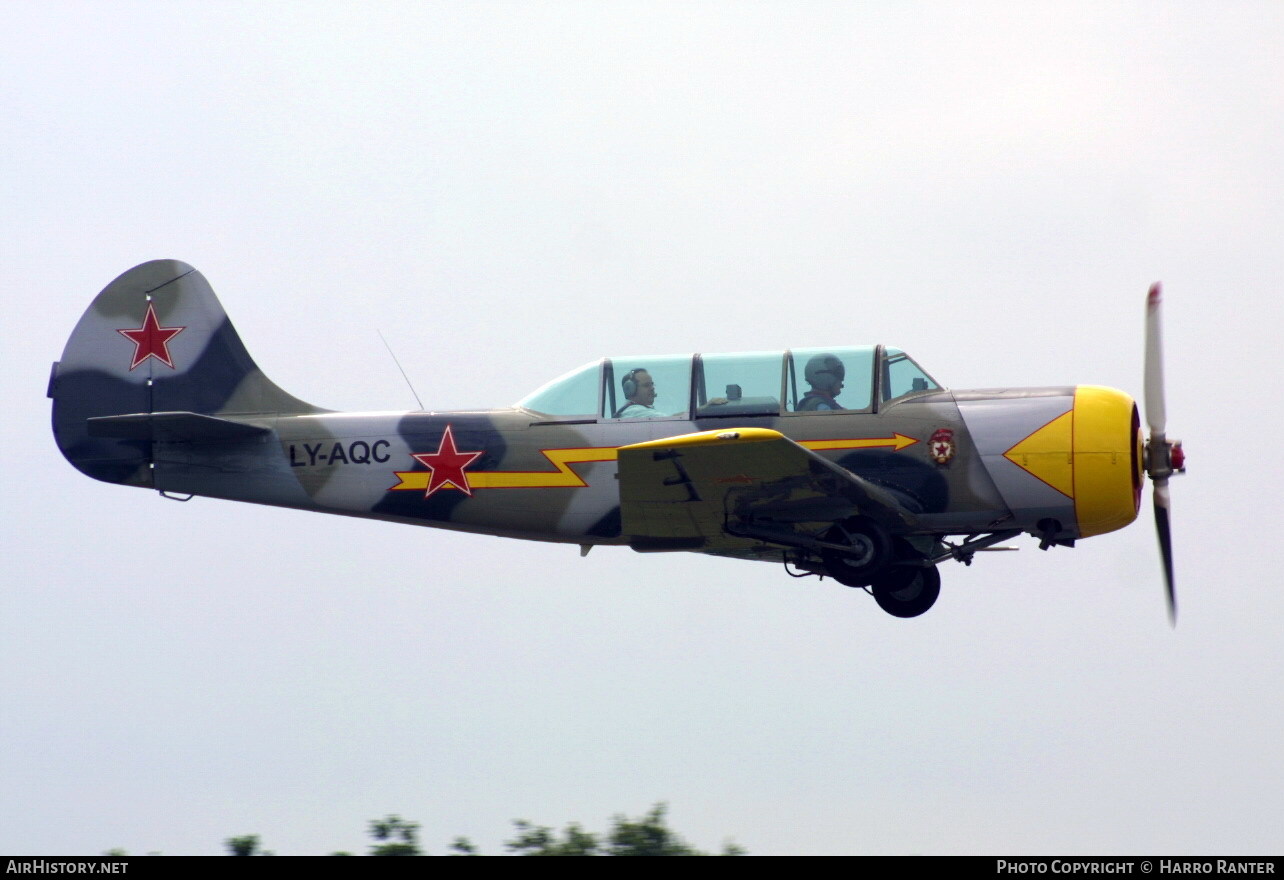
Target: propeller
1163	457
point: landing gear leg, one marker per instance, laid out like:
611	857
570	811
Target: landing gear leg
869	550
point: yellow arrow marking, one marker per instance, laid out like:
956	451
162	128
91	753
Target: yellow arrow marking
1047	454
898	441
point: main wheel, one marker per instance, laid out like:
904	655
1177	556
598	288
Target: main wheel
907	591
870	550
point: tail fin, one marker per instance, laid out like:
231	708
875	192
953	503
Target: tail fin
155	341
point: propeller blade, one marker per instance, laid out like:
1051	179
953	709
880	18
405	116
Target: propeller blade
1156	414
1163	457
1165	545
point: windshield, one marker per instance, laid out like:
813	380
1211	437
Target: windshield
901	376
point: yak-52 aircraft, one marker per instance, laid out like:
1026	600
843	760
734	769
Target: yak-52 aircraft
846	461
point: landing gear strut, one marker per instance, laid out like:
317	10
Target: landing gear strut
900	572
868	550
902	580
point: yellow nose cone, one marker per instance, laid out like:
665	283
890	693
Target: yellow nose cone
1107	459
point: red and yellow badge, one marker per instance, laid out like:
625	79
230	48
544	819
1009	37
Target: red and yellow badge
941	446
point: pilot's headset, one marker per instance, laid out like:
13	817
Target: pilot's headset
629	384
825	372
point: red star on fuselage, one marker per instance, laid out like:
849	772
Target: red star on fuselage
447	465
151	340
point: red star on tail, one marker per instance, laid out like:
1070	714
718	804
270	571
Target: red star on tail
151	340
447	465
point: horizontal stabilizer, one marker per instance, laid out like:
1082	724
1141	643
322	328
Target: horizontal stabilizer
171	426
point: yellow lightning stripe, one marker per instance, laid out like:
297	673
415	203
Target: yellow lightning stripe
562	478
565	478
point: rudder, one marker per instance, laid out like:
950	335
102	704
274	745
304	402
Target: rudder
155	340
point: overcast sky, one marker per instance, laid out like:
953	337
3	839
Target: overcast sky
509	190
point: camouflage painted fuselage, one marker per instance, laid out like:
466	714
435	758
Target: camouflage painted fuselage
155	389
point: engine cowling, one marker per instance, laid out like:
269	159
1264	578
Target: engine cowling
1107	444
1067	461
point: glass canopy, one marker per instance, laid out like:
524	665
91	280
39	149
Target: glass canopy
758	383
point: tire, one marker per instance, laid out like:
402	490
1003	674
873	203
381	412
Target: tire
907	591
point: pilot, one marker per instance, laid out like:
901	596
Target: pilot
639	390
825	374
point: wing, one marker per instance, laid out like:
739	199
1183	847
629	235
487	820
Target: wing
713	489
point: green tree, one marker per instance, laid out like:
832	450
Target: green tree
400	838
648	835
537	840
462	846
246	845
